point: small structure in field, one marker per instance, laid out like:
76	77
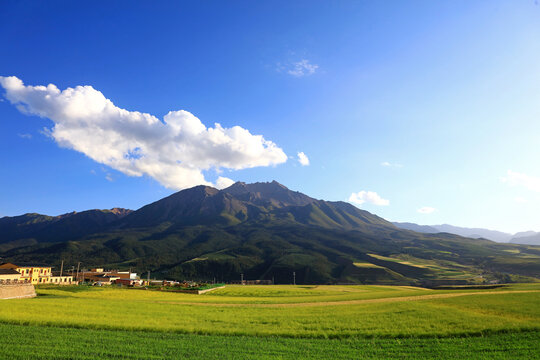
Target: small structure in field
17	290
252	282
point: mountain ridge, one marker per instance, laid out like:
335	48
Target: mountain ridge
265	231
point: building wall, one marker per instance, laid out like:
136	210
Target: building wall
36	275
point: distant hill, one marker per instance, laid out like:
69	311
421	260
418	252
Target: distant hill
264	231
415	227
530	239
35	228
524	234
474	233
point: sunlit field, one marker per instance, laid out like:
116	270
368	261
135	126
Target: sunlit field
283	321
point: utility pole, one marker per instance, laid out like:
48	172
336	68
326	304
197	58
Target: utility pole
294	278
62	268
148	281
242	279
78	265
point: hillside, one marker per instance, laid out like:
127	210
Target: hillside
34	228
264	231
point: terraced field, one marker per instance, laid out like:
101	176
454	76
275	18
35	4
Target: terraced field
274	321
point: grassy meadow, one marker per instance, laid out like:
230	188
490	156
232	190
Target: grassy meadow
274	322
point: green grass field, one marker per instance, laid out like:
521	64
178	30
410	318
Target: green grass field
274	322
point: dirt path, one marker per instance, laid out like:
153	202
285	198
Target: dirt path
356	302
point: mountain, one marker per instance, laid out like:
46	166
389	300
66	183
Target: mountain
530	239
259	203
264	231
474	233
34	228
415	227
524	234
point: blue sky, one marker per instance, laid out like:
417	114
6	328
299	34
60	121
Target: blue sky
419	111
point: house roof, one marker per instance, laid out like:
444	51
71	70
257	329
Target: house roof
9	272
7	266
57	274
19	265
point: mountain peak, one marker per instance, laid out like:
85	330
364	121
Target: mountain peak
274	182
238	186
267	193
121	212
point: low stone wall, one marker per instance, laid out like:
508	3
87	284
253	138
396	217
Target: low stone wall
17	291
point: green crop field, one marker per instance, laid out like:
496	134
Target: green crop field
239	322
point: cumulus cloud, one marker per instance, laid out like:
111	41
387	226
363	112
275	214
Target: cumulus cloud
519	179
174	151
369	197
426	210
303	159
223	182
302	68
389	164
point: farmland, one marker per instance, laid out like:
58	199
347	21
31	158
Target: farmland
274	321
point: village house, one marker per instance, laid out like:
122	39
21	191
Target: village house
58	279
9	276
38	275
106	277
127	282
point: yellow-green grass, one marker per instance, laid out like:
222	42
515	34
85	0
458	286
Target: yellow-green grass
442	270
363	264
286	311
37	342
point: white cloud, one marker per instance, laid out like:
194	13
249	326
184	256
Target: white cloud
370	197
302	68
520	200
174	152
303	159
223	182
519	179
426	210
109	177
25	136
389	164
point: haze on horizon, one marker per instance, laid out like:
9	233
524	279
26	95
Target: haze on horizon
424	112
